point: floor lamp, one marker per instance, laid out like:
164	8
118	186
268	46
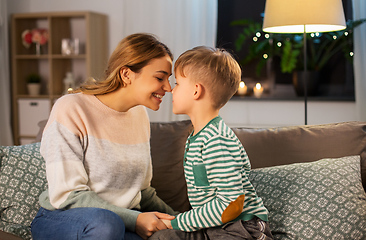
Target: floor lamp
303	16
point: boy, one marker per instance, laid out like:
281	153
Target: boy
225	204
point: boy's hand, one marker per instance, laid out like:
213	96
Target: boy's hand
149	222
167	223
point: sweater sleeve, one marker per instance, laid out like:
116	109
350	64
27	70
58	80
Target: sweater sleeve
151	202
215	183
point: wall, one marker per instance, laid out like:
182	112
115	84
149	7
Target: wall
263	113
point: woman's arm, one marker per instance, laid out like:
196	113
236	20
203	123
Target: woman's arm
151	202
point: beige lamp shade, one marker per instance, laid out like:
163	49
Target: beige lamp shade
295	16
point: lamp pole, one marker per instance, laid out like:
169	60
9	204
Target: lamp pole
289	16
305	79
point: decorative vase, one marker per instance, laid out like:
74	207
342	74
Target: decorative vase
34	89
69	83
312	82
38	49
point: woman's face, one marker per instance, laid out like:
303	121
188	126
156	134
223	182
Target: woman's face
151	84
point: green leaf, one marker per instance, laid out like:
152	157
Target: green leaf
289	57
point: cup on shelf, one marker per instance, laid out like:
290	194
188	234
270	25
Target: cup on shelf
70	46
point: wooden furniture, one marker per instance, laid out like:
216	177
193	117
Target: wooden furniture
91	30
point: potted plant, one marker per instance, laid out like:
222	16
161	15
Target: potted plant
33	84
321	47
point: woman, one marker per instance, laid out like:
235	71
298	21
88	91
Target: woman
97	152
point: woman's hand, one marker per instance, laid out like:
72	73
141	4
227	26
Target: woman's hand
149	222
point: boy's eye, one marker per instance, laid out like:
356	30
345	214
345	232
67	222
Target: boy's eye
160	79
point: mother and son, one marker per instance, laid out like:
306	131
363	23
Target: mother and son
97	152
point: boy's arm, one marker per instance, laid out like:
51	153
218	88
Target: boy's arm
223	163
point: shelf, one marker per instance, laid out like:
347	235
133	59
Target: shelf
33	96
31	56
286	92
59	56
52	56
91	30
296	98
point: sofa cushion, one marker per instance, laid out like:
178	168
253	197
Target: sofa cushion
318	200
285	145
167	152
22	179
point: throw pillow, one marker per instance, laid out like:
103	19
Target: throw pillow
22	179
317	200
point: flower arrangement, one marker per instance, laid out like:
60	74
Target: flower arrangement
38	36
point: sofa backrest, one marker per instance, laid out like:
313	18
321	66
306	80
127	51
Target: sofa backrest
265	147
286	145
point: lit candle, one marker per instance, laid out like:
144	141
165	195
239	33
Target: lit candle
258	90
242	90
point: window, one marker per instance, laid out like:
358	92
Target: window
336	78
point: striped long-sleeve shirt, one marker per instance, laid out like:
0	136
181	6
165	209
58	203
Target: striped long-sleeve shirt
216	169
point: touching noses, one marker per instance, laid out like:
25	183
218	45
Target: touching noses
166	86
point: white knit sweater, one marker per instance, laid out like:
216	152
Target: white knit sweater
96	156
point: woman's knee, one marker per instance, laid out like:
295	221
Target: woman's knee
105	223
91	223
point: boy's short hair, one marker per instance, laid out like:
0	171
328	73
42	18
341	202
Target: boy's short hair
214	68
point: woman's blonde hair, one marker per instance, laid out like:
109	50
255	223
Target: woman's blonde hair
134	52
214	68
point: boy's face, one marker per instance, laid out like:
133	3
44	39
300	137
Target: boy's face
182	95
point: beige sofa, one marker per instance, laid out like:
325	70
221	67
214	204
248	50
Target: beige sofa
312	178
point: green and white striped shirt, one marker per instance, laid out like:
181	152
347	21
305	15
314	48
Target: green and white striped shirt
216	168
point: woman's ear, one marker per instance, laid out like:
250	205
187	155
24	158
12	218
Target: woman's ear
198	92
126	75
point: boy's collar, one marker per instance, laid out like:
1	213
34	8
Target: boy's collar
215	119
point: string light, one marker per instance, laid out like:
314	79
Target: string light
312	35
346	34
266	35
255	39
334	37
258	34
279	44
265	56
351	54
317	34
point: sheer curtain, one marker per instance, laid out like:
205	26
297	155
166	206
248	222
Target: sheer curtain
359	59
5	114
181	24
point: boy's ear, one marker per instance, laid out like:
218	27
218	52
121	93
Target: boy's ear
126	75
199	91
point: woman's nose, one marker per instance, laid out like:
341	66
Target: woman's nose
166	86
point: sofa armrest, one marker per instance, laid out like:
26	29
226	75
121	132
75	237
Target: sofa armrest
8	236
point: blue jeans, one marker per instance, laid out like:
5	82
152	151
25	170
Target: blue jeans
79	223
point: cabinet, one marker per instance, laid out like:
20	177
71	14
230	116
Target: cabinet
91	30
